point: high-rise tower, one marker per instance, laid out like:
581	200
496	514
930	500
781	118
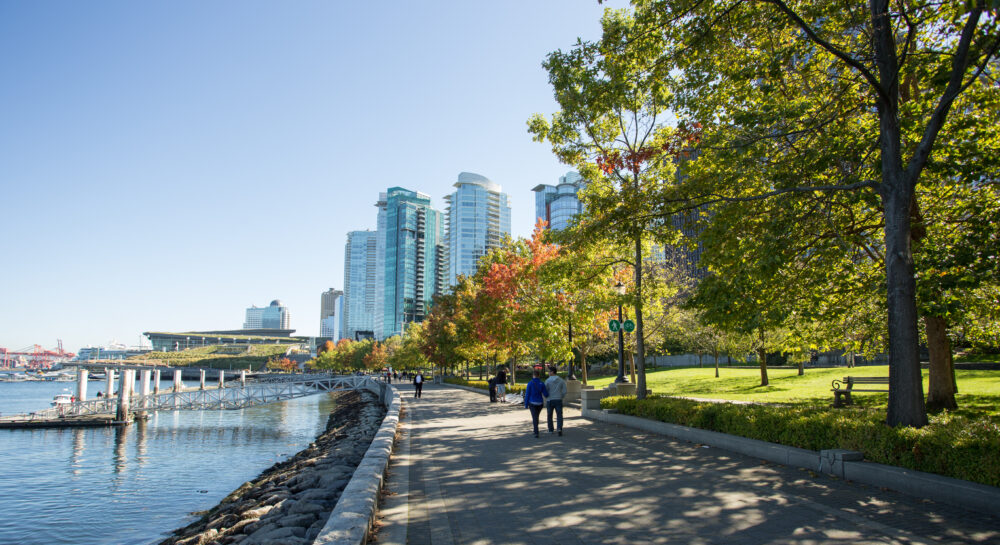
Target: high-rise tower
558	204
359	286
478	217
414	265
330	313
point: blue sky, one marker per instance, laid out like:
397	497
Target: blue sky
164	165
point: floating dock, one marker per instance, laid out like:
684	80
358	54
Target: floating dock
27	422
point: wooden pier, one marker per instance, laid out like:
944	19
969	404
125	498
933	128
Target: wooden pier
122	407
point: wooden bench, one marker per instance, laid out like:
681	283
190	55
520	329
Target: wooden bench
839	389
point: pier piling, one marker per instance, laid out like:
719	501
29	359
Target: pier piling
81	384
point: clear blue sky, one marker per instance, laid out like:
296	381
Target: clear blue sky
164	165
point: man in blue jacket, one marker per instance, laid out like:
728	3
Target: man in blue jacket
534	398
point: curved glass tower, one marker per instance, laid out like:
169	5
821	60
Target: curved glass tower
559	203
478	218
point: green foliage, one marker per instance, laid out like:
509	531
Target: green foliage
964	447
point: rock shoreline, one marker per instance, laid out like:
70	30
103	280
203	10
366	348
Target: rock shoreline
290	502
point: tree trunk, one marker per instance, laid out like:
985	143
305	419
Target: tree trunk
762	356
631	356
941	390
699	360
583	366
716	353
906	399
640	341
802	369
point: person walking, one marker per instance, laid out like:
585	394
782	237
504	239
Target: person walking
534	398
557	391
418	383
493	389
501	385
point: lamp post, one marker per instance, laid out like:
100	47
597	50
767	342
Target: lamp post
572	361
620	288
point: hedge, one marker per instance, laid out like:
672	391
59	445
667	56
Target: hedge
953	445
483	385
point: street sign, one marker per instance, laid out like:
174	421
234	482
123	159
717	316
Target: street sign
614	326
628	326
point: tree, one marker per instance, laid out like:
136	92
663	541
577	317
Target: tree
767	79
613	97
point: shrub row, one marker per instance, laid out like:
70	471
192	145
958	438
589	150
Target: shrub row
955	446
483	385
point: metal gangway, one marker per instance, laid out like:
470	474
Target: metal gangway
253	392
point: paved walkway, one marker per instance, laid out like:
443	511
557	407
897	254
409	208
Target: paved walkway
470	472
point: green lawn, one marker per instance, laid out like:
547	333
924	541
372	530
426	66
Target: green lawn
976	388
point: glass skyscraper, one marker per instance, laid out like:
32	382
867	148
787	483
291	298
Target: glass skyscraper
558	204
478	217
359	285
414	258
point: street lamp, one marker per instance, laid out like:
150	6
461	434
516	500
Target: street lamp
572	360
620	288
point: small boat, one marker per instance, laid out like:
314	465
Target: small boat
62	400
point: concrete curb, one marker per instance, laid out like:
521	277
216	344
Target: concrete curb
352	518
840	463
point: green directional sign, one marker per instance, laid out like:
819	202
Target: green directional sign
628	326
614	326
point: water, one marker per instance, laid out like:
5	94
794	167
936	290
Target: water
134	485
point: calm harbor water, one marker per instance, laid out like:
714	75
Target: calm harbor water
134	485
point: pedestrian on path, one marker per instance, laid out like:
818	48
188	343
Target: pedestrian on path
501	385
493	389
534	398
556	387
418	383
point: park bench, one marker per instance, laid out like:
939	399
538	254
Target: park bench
839	389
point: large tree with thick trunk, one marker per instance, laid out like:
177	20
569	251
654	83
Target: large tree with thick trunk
819	97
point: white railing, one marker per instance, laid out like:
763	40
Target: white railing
257	392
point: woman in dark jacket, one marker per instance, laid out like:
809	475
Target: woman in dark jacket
534	398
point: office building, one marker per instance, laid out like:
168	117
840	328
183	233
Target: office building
330	313
273	316
477	220
559	203
414	258
359	286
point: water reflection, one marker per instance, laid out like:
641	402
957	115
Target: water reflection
141	442
120	458
76	455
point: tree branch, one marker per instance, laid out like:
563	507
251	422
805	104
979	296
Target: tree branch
872	80
959	64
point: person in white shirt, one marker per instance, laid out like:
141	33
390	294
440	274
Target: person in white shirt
418	383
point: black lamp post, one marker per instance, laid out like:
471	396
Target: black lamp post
572	361
620	288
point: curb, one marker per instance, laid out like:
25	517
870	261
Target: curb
351	520
840	463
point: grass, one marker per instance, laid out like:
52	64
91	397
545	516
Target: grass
219	357
977	389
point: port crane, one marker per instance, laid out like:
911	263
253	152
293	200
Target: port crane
34	356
